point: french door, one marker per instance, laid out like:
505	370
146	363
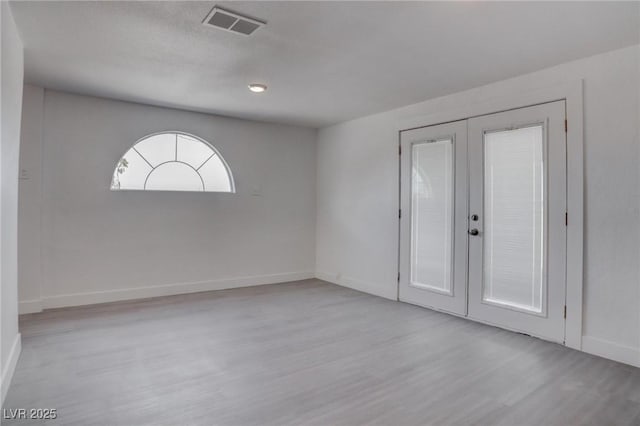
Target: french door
433	231
483	229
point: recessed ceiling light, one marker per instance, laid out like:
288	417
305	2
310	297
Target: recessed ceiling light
257	88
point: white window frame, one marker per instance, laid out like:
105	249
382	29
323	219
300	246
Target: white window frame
178	132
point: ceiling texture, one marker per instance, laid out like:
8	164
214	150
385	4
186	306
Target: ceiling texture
324	62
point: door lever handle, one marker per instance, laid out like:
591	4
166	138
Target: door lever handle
474	232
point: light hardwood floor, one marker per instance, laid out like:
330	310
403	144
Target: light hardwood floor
305	353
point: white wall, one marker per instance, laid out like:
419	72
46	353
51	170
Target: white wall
12	68
98	245
357	219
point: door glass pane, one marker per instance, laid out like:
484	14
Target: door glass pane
431	215
514	218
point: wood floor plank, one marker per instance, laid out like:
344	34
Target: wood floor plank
307	353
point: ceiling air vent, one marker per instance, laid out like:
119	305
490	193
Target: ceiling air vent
232	21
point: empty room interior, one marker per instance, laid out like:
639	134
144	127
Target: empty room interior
320	213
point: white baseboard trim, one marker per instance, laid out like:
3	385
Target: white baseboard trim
91	298
355	285
10	368
30	306
611	350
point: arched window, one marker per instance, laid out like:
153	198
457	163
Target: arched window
172	161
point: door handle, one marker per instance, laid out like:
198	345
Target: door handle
474	232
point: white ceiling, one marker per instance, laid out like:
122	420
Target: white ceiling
324	62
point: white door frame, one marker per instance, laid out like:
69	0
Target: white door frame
572	93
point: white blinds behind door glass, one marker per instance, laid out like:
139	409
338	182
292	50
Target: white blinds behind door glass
432	215
513	254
